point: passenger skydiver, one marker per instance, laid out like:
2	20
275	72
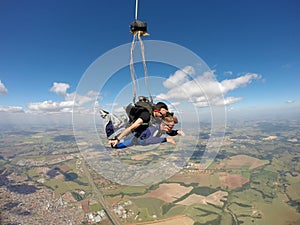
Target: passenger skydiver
151	135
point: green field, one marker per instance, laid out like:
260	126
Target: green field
126	190
293	189
61	186
147	208
276	213
174	211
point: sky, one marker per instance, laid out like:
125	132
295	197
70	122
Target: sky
251	48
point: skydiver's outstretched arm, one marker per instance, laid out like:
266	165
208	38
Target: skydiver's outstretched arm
180	132
127	131
124	144
156	140
175	132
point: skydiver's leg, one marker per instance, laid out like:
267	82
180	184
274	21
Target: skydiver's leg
109	129
112	129
108	124
115	134
123	121
118	121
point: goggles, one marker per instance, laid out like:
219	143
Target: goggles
169	114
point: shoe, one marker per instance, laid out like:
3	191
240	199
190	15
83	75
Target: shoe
103	113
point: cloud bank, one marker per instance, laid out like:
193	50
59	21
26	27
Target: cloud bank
14	109
67	104
204	90
51	106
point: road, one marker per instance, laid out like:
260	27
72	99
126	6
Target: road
99	196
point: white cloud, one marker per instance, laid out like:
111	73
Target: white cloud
67	104
3	89
179	77
51	106
174	104
60	88
82	103
205	90
12	109
230	100
90	96
198	87
229	85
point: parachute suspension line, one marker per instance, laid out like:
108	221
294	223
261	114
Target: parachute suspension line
145	67
132	71
132	68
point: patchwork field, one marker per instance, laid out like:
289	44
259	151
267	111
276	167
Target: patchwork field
169	192
232	181
210	180
250	181
216	198
239	161
182	220
143	156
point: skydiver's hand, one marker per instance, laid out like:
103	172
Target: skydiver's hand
171	140
113	142
181	132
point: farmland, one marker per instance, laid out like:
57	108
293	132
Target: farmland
254	179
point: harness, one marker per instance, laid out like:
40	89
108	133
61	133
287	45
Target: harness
133	111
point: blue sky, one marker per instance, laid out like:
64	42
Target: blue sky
46	47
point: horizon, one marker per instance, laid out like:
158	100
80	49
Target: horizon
65	119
